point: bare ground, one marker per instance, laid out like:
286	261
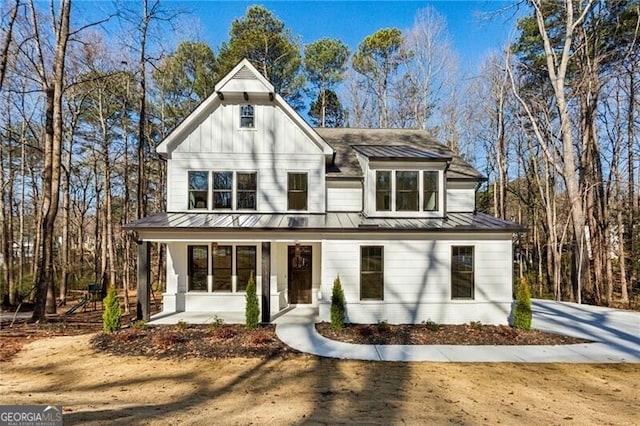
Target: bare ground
97	388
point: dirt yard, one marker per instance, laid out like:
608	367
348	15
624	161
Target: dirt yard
95	388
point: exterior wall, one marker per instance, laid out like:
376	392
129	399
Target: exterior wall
275	146
344	196
417	281
177	298
461	197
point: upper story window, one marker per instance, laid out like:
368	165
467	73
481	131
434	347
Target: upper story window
431	191
383	191
222	190
247	117
198	190
407	191
246	191
297	191
462	272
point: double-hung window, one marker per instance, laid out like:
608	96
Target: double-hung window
247	117
222	190
198	190
407	191
371	273
462	272
383	191
246	191
430	191
297	191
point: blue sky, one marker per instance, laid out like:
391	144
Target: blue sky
473	33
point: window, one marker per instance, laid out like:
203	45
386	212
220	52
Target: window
246	191
198	190
198	261
407	191
245	265
246	116
222	268
222	190
462	272
371	273
430	188
297	191
383	191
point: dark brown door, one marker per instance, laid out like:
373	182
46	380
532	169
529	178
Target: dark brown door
299	274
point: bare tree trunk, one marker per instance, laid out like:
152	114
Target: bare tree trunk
44	283
142	114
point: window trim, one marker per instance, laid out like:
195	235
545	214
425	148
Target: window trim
214	191
244	115
405	191
362	272
215	247
386	191
420	212
238	190
290	191
425	173
189	190
237	268
190	248
472	273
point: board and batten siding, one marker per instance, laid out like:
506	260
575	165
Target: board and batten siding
272	148
417	281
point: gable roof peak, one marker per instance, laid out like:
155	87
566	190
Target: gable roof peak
244	77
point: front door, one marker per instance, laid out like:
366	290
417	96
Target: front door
299	274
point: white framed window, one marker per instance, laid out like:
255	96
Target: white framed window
198	190
247	116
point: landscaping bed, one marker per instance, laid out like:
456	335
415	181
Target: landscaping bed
436	334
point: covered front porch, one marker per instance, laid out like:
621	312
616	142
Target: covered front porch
207	278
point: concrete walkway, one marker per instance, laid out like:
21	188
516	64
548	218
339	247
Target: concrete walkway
615	333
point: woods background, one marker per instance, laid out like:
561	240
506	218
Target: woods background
552	119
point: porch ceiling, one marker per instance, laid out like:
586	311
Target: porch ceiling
329	222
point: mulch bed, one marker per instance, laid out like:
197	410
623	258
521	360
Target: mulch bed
436	334
199	341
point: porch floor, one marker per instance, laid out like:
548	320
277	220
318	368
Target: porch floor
301	314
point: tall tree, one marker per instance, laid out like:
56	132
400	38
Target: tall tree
327	111
53	86
378	58
263	39
324	64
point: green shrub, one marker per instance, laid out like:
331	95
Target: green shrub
522	312
337	305
252	310
112	314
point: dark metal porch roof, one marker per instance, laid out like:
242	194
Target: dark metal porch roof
329	222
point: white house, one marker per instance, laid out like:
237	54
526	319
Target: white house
251	187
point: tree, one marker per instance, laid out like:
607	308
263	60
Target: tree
262	38
184	79
53	86
112	315
324	64
337	305
522	312
332	115
252	308
378	58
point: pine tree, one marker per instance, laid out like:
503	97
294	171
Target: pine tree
252	312
111	317
337	305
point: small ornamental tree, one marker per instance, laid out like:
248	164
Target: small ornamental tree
522	312
252	310
111	317
337	305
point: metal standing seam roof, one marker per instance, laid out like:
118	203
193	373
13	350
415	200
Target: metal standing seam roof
343	141
398	152
329	222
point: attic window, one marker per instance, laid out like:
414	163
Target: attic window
246	116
